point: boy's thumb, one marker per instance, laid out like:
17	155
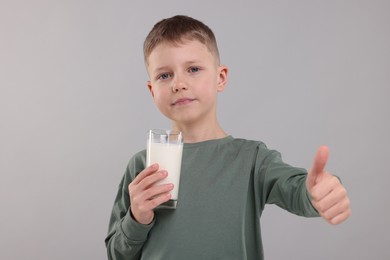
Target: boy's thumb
318	165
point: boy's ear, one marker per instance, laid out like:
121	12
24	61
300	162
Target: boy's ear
149	85
222	77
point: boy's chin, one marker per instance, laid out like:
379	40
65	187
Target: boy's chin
182	121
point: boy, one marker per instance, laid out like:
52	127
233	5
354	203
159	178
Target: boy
225	182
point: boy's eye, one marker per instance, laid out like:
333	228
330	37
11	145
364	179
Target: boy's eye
163	76
194	69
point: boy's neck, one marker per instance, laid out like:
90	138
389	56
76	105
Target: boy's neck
199	134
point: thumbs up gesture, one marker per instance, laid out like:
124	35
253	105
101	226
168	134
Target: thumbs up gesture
329	196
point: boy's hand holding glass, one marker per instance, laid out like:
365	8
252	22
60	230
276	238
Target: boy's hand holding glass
146	195
153	188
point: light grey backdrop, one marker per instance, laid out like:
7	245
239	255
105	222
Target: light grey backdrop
74	107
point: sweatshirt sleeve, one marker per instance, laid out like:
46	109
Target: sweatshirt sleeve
284	185
126	236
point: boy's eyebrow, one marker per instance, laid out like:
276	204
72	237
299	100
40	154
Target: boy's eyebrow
166	67
162	68
192	62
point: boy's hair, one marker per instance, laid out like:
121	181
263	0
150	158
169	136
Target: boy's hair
176	30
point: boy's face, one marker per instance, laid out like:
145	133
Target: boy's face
185	80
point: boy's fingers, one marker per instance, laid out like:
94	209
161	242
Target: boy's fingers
141	176
324	186
146	172
158	200
341	217
318	165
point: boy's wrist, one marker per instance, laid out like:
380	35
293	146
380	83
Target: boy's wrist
134	230
135	219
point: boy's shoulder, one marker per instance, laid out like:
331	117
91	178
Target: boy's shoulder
137	162
249	143
256	147
139	156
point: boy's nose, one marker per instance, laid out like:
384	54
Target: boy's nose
178	85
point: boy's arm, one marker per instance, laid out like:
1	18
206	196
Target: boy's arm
281	184
132	215
126	237
285	186
313	194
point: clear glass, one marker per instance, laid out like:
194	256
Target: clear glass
165	147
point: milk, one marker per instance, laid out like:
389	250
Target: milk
168	156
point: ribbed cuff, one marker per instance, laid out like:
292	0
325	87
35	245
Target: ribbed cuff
133	230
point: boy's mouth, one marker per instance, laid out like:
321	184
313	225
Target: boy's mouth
182	101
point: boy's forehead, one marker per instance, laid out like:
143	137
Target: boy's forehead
191	48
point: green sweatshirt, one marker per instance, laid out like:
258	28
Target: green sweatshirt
224	186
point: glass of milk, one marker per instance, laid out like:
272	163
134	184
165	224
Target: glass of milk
165	147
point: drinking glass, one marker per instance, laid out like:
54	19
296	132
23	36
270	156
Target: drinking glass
165	147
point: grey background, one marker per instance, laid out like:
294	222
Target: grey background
74	107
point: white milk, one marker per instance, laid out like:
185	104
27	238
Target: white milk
168	156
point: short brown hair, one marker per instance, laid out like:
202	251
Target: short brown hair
177	29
